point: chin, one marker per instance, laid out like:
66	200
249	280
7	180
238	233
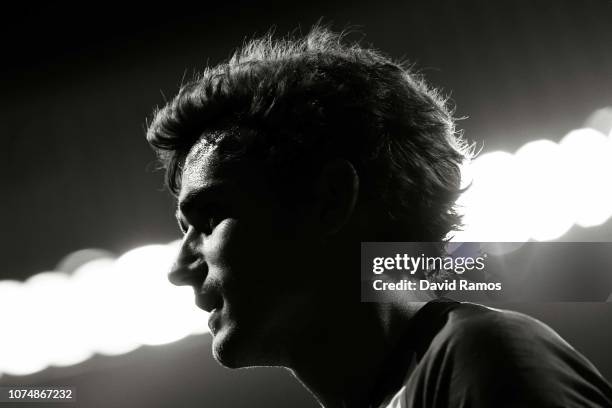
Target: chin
230	350
227	359
235	349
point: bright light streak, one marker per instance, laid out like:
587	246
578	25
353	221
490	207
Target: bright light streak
54	325
589	156
163	313
499	218
539	192
105	319
106	306
542	173
15	340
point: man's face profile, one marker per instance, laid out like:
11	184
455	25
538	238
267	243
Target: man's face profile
246	256
284	159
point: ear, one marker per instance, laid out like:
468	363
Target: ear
337	189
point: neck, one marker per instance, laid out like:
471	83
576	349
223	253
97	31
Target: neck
343	363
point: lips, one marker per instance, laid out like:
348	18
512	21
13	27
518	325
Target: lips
207	300
211	303
212	320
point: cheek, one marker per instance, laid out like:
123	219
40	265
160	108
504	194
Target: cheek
254	253
236	247
223	245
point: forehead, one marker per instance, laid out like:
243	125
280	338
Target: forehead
206	168
201	164
203	167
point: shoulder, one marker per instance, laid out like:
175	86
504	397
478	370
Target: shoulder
479	337
472	325
493	357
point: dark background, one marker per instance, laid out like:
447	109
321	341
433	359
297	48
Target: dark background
78	84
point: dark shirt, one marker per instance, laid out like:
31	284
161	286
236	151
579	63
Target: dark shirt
471	356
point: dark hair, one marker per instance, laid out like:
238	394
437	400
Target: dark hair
299	102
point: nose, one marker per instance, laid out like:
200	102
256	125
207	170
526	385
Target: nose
189	267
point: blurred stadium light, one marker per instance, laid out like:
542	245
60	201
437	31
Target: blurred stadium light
540	191
97	304
105	306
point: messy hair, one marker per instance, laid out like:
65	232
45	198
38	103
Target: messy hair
298	102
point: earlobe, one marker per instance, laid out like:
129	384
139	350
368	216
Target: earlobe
338	189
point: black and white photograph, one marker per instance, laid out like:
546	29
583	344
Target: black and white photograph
347	204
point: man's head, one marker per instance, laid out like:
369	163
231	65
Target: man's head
283	160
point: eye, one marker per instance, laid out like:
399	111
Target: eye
203	222
212	221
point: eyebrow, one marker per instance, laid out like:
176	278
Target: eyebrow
200	197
